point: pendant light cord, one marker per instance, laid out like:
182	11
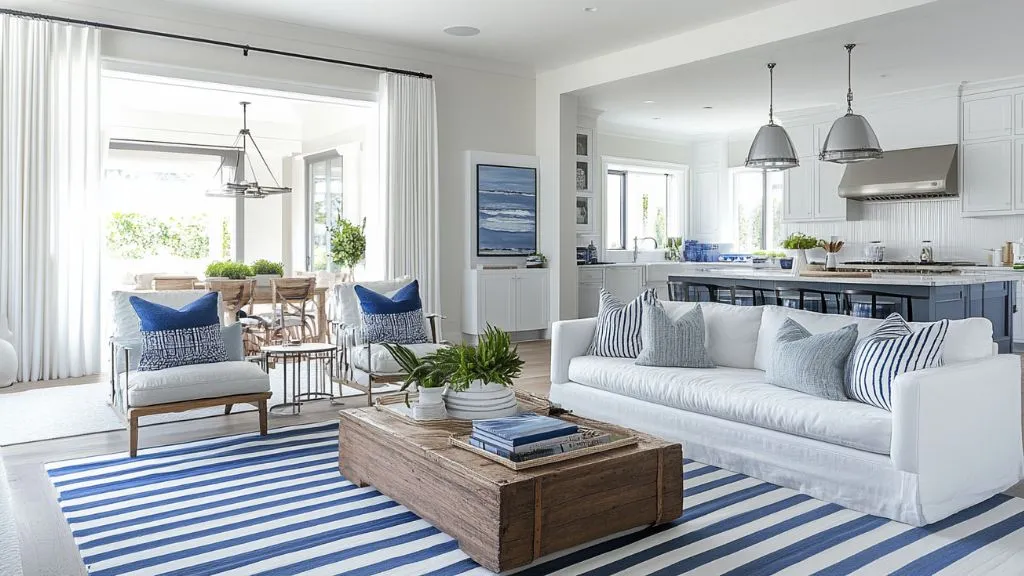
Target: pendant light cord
771	94
849	78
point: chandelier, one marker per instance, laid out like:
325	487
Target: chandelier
240	185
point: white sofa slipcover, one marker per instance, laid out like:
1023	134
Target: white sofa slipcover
952	440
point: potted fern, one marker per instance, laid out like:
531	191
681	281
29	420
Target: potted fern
429	376
480	377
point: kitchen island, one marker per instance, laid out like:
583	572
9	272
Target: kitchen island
970	293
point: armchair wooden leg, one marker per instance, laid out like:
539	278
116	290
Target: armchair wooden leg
227	409
369	389
133	435
263	417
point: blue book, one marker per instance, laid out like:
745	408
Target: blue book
523	429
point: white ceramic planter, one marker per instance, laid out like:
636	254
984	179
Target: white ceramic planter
799	262
430	405
264	279
481	401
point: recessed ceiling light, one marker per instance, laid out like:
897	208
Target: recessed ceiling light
883	76
590	9
708	107
648	101
656	118
461	31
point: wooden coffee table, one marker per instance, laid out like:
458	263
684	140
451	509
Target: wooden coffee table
503	518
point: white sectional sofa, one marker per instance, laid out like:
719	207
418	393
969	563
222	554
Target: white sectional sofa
952	440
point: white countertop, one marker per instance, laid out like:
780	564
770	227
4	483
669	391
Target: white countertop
975	276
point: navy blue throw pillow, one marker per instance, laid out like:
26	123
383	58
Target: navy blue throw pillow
397	319
153	316
179	337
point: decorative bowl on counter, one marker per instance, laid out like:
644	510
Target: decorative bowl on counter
786	263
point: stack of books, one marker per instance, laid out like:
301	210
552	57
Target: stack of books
530	436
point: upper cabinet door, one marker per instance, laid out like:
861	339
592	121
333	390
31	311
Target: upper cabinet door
827	203
706	203
1018	170
798	198
987	177
988	117
1018	114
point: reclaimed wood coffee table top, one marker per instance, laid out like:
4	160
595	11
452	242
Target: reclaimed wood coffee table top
432	441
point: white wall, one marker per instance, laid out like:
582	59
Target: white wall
481	105
641	149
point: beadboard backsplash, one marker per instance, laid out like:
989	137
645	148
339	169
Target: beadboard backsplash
903	225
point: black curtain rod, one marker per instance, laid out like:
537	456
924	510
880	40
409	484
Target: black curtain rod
245	48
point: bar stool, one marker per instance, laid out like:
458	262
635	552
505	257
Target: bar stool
680	292
755	292
817	300
889	301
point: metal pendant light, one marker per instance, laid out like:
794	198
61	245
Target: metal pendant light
242	185
772	149
851	138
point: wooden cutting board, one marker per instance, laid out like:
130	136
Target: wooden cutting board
835	274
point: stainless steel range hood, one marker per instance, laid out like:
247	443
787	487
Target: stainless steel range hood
909	174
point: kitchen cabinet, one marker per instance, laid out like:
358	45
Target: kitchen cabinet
513	300
811	190
705	222
988	177
988	116
798	195
827	203
624	281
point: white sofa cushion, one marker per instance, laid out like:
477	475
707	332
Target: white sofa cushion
195	382
741	395
731	331
966	340
383	361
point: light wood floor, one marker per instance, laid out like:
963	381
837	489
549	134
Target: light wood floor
46	544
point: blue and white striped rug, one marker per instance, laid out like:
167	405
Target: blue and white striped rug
277	505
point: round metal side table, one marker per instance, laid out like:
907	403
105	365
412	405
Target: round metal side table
319	386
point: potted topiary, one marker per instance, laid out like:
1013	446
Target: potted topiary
799	243
348	245
480	378
428	375
265	270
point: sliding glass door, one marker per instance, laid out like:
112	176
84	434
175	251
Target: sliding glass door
325	204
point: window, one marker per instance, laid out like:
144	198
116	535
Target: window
640	204
756	193
325	206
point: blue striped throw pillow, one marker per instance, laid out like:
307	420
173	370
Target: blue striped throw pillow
891	350
618	326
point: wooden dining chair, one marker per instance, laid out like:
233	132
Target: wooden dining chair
293	307
174	282
236	297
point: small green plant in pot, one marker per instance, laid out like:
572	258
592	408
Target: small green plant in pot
265	270
426	372
229	270
348	245
800	243
480	377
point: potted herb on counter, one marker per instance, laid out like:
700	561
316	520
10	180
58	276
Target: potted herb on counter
799	243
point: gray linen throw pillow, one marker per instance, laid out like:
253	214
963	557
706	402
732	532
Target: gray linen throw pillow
811	363
678	344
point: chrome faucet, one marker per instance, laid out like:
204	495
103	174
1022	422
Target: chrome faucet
636	244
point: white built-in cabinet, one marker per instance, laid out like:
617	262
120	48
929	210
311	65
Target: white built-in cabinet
707	194
811	190
624	282
992	153
515	300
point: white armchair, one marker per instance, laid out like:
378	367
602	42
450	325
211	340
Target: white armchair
177	389
366	365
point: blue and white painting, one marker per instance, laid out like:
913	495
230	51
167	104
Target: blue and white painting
506	210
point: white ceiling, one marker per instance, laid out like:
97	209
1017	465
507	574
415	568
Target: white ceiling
544	34
945	42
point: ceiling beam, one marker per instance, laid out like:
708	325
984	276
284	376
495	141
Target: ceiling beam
773	24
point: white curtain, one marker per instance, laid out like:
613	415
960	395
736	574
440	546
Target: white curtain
408	122
50	155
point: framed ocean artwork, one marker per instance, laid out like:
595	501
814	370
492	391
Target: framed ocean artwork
506	221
